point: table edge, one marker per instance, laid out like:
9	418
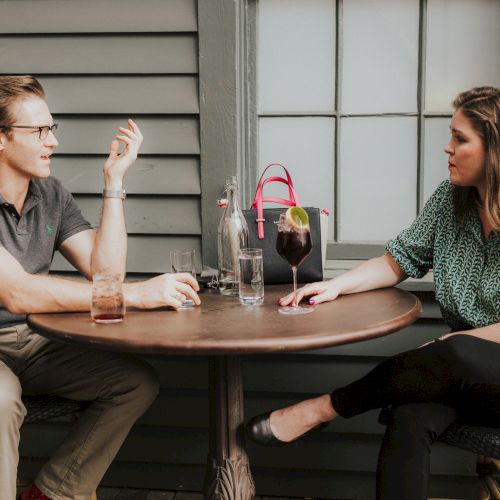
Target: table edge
244	346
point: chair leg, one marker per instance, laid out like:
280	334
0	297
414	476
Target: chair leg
486	469
483	491
493	487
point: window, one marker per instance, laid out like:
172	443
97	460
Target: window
354	96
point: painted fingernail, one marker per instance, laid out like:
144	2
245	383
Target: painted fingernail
312	301
279	301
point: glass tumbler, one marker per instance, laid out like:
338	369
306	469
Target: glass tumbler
108	304
183	261
251	276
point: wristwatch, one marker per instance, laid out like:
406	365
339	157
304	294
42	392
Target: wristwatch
111	193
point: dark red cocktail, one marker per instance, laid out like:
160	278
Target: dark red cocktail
294	245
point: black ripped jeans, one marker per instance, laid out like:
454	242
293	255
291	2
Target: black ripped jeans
428	388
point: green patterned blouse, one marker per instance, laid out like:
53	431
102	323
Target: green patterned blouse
466	267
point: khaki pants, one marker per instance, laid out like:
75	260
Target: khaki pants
119	387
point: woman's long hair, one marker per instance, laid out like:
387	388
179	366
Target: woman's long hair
481	105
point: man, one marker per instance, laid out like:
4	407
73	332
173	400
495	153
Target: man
37	217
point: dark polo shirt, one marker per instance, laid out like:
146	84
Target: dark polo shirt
50	216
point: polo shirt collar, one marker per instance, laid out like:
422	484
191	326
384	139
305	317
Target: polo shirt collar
33	192
33	196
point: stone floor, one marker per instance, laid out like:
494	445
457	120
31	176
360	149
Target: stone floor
142	494
130	494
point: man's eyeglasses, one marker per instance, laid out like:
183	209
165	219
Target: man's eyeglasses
43	131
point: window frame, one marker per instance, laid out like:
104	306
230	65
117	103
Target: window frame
228	39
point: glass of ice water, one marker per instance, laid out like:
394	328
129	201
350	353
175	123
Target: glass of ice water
251	279
183	261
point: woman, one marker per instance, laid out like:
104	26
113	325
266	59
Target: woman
457	375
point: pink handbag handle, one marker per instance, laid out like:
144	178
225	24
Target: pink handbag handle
259	200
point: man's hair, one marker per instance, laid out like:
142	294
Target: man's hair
13	89
481	105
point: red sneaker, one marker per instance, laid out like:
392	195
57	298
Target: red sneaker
33	493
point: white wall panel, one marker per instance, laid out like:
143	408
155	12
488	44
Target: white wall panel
380	59
296	55
378	175
463	43
306	147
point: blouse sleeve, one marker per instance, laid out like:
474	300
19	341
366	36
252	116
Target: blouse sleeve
413	248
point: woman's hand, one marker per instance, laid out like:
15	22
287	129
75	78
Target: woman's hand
117	164
169	290
322	291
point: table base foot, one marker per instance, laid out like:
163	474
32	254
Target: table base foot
230	480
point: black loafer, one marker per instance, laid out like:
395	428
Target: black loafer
259	430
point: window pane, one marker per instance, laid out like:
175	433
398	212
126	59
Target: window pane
306	147
436	136
296	55
378	175
463	42
380	59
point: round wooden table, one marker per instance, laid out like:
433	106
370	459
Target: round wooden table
224	330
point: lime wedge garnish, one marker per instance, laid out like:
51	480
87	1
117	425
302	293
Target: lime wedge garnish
297	217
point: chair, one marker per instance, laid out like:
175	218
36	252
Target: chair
484	441
47	407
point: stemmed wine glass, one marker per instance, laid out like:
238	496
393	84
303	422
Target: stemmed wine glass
294	245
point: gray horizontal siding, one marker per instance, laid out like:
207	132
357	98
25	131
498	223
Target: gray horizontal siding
150	174
178	445
78	54
281	482
122	94
100	62
158	215
162	135
83	16
346	484
147	253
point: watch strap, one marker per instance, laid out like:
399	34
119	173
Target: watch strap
114	193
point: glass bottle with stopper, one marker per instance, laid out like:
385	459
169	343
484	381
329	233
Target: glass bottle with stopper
232	236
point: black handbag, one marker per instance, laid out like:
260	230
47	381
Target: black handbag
263	231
